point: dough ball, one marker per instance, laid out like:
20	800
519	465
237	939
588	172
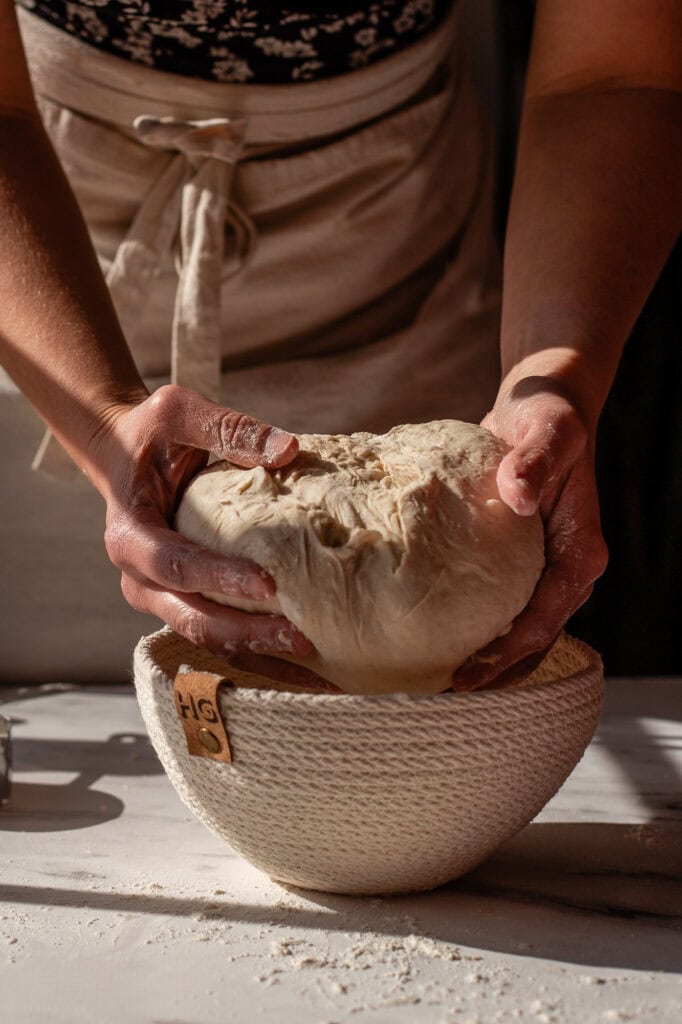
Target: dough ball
392	553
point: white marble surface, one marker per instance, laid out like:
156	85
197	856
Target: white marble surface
117	906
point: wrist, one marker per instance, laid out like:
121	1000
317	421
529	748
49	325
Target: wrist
92	443
563	373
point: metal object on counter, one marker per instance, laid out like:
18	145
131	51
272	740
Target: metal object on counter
5	759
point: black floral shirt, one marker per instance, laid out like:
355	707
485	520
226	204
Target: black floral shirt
246	40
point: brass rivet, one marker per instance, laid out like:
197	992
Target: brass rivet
208	740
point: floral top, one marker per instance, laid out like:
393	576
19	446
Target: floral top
246	40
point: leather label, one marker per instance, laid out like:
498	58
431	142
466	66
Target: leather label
198	708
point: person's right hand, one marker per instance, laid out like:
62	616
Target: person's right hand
145	457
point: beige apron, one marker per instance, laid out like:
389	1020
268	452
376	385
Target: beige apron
317	254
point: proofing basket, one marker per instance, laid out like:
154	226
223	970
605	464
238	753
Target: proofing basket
380	794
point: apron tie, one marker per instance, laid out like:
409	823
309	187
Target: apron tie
189	201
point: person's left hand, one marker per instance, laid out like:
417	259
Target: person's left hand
550	468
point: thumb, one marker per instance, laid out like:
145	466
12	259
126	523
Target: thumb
523	474
553	437
244	440
538	460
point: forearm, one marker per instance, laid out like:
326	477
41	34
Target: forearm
59	336
596	208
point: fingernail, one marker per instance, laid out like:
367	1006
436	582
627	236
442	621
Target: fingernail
301	643
256	586
283	640
278	443
526	501
259	588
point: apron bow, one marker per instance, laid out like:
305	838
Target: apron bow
189	202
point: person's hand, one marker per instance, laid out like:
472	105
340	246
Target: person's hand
550	468
145	458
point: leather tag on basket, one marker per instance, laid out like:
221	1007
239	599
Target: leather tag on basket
196	703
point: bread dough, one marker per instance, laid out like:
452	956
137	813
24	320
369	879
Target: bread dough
392	553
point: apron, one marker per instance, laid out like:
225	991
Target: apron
317	254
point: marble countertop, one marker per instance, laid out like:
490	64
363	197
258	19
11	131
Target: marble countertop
116	905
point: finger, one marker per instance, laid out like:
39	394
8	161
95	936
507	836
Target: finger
282	671
489	673
196	421
576	557
531	636
537	461
519	670
521	478
218	629
146	548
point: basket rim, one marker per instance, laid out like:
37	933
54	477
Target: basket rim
147	647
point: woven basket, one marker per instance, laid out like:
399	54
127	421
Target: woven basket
376	794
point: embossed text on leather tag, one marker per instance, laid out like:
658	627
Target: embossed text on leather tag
197	707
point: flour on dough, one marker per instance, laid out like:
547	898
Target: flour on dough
392	553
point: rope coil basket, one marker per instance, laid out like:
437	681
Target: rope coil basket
373	794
